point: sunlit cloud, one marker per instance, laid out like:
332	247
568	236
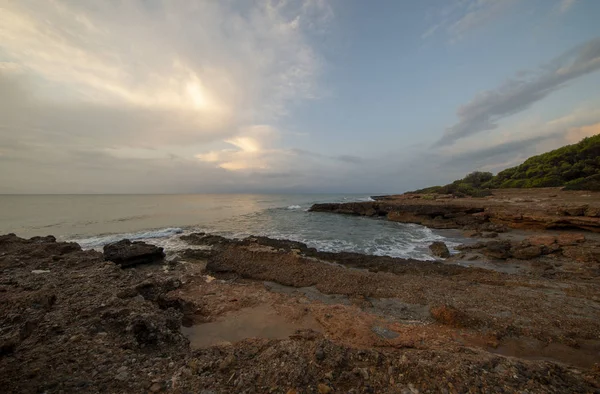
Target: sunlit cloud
137	80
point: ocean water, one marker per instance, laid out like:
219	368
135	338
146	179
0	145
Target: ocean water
95	220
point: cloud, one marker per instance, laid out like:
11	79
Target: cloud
576	134
513	145
252	150
565	5
150	85
460	17
518	93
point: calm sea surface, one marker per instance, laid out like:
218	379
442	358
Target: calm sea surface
94	220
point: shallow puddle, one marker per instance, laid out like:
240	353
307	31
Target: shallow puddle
257	322
585	356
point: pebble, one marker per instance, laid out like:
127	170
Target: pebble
319	354
323	388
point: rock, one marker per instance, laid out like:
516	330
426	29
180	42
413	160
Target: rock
497	249
204	239
319	354
37	272
156	387
542	240
8	347
324	389
127	293
527	253
227	362
439	249
575	211
567	239
489	235
384	332
127	253
122	374
364	372
472	233
41	240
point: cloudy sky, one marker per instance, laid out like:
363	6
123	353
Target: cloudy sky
195	96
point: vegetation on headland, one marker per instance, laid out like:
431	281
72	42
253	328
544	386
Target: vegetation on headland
575	167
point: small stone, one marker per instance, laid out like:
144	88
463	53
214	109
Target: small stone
227	362
329	375
439	249
364	373
323	388
122	376
319	354
384	332
156	387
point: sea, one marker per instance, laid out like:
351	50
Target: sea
96	220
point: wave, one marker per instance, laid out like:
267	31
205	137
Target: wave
363	199
101	240
294	207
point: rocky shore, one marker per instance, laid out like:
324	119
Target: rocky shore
526	209
261	315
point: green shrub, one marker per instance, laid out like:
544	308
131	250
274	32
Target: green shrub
588	183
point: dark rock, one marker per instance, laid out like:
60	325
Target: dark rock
497	249
494	227
205	239
489	235
7	347
41	240
319	354
526	253
439	249
127	253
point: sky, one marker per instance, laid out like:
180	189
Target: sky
296	96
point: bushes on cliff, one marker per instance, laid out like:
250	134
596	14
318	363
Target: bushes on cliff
470	185
588	183
577	167
568	166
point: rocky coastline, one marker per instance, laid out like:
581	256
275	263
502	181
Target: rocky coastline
516	310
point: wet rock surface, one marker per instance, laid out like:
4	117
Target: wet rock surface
83	324
439	249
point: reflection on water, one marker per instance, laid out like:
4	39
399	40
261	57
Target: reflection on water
257	322
79	215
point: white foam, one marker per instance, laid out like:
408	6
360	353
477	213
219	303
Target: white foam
294	207
101	240
368	198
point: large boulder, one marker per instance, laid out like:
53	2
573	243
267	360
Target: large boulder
127	253
439	249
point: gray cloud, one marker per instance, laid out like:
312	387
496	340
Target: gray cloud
461	17
477	157
516	95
